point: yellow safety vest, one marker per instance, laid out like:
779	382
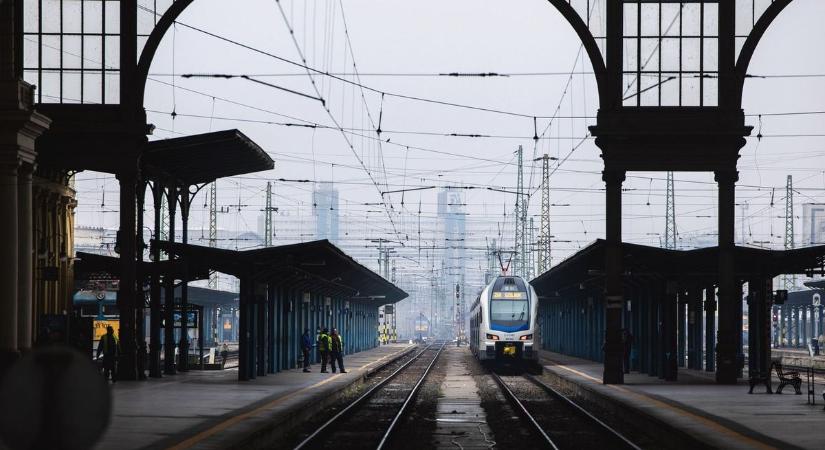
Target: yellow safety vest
324	342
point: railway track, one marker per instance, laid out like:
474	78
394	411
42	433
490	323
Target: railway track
371	419
557	421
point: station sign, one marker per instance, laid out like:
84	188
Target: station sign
177	318
509	295
101	325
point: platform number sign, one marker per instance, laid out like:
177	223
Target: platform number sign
816	300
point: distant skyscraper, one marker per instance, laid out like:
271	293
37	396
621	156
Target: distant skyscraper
813	224
325	203
452	222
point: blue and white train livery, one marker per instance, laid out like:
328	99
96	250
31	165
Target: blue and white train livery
503	323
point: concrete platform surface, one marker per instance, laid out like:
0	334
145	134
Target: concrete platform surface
722	416
212	409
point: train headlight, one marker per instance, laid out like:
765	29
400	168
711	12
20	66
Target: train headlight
526	337
492	337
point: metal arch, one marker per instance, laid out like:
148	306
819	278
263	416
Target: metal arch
152	43
748	49
589	43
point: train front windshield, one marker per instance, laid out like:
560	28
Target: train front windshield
509	306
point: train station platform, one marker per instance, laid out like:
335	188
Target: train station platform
695	408
212	409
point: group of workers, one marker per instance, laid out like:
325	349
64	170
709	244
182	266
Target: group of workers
330	348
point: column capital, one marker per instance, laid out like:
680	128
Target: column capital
726	176
26	169
613	176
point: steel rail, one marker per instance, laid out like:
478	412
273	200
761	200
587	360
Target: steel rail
409	398
520	406
324	428
555	393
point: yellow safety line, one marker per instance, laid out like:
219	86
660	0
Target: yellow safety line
705	421
240	417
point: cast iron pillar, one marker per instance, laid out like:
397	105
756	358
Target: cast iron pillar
140	304
183	363
670	332
681	338
243	330
169	291
727	346
261	321
126	297
613	346
710	328
154	289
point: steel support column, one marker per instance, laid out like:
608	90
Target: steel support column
681	318
697	327
670	332
710	328
261	328
613	348
642	336
185	200
804	327
759	307
154	290
127	369
271	292
169	366
140	295
727	370
244	350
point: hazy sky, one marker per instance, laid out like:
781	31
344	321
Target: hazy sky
402	39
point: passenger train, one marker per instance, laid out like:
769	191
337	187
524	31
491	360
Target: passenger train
503	324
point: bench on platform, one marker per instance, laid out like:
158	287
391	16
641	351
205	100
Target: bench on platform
787	377
756	378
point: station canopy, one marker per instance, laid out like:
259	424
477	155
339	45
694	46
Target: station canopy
641	263
318	264
91	265
203	158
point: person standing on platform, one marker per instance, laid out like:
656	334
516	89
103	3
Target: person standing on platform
628	348
337	351
224	354
108	345
323	348
306	347
318	344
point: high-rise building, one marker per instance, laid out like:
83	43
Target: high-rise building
325	204
813	224
451	217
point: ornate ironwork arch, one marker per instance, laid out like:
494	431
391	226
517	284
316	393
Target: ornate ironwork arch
589	43
152	43
749	48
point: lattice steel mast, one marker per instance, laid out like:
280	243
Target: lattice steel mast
521	220
544	224
788	280
670	215
268	210
213	229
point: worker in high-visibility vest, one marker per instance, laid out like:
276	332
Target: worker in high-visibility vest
324	345
109	346
337	349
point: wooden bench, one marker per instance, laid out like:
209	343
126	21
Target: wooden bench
787	377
